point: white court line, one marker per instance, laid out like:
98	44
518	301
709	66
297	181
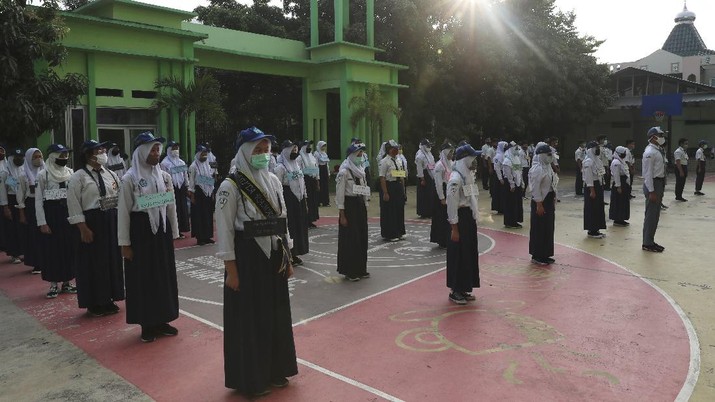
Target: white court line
311	270
202	320
694	365
201	301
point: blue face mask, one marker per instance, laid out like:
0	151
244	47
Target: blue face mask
260	161
357	160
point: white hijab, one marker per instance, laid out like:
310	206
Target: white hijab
512	158
499	157
621	161
56	173
203	169
541	167
31	171
291	165
308	158
262	178
424	153
358	172
446	162
462	166
382	153
170	162
148	179
318	153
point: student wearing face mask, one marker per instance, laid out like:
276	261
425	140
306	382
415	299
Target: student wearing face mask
463	214
543	207
26	204
579	156
259	350
606	156
311	175
681	168
116	161
392	194
653	187
594	215
352	196
700	167
424	160
321	155
14	233
290	173
513	204
177	168
440	229
631	162
92	198
57	256
620	209
147	226
497	188
201	190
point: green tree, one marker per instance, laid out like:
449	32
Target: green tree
372	108
33	97
202	96
74	4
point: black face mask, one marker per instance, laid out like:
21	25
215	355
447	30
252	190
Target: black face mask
203	159
115	152
2	157
61	162
18	161
597	152
293	155
308	150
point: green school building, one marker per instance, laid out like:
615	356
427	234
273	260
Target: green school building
124	46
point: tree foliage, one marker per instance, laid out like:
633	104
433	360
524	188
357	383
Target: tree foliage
371	107
33	97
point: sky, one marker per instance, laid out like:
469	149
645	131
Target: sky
632	29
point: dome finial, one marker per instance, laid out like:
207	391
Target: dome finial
686	16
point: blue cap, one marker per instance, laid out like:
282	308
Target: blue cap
426	142
201	148
447	145
251	135
57	148
287	144
93	144
355	139
147	137
702	142
543	149
354	148
171	144
655	131
18	152
464	151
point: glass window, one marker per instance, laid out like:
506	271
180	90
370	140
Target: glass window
126	116
674	67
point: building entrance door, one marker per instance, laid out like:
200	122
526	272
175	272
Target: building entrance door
122	136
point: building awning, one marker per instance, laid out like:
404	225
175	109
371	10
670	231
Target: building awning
632	102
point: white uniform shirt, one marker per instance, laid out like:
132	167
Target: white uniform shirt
511	175
700	155
618	169
9	185
116	164
580	154
180	179
344	183
653	166
681	155
83	192
456	198
629	159
402	160
232	211
44	183
440	172
388	164
422	162
525	159
127	204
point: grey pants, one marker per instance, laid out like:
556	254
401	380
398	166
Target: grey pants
652	212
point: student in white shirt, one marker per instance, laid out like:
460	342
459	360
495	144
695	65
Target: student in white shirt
579	156
511	172
440	229
179	171
321	155
680	156
486	163
700	169
594	215
351	197
392	194
424	160
653	187
543	207
620	209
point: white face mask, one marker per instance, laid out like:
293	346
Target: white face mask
174	153
661	140
102	159
428	149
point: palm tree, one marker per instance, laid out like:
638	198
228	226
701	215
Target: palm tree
202	96
372	107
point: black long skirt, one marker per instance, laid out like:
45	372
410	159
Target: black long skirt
297	221
311	188
463	256
324	197
513	206
579	182
202	220
497	190
32	235
14	230
258	343
525	178
100	277
541	233
620	208
352	240
152	291
607	178
594	214
426	196
441	229
392	213
182	210
57	251
3	231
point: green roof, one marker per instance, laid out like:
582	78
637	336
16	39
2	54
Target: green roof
102	3
685	41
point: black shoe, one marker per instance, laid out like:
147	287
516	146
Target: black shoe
699	193
468	296
261	393
633	196
652	249
297	260
167	330
96	311
110	308
549	260
620	223
457	298
279	382
352	279
539	261
148	334
658	246
312	226
681	199
662	206
210	241
365	275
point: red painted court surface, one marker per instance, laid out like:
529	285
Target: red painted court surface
582	329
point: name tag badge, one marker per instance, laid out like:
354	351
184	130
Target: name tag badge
56	194
311	171
361	190
204	180
155	200
106	203
264	227
32	189
470	190
398	173
324	159
295	175
178	169
11	181
430	166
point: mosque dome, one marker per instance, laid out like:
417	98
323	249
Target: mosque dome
686	16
